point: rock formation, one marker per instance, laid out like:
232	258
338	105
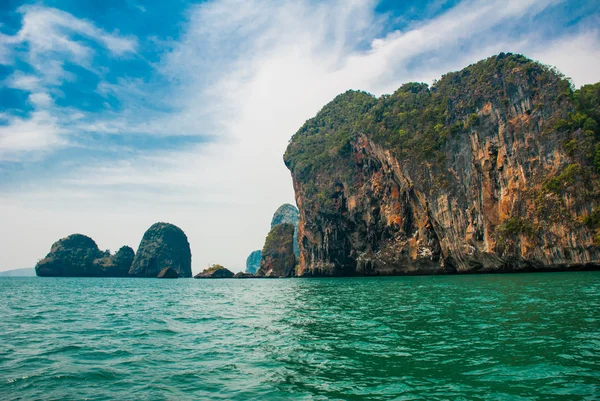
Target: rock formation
72	256
253	262
278	253
168	272
215	271
163	245
493	168
117	265
244	275
287	213
78	256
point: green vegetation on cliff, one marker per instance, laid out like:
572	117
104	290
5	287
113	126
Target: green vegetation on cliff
500	159
215	271
417	120
278	258
78	256
163	245
213	268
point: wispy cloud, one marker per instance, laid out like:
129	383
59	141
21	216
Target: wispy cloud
48	41
246	74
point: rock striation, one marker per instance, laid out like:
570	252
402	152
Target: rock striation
78	256
494	168
163	245
287	213
278	258
253	262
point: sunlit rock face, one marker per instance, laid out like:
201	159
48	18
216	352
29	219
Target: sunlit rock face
493	168
163	245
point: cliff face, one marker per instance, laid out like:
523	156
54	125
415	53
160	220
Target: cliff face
494	168
287	213
163	245
278	258
253	262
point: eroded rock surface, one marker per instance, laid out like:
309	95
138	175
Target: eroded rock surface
491	169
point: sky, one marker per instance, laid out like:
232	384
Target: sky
118	114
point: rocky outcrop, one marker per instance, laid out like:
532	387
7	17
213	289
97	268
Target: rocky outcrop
215	271
168	272
117	265
163	245
287	213
72	256
253	262
244	275
78	256
492	169
278	252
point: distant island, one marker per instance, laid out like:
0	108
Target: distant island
25	272
285	214
164	251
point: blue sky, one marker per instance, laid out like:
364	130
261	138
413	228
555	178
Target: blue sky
118	114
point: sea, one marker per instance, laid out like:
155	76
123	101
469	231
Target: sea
467	337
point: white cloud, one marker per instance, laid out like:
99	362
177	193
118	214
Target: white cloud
26	82
40	100
20	136
578	56
250	73
49	30
52	38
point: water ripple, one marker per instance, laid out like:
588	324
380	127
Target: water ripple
500	337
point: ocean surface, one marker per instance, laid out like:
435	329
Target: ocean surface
479	337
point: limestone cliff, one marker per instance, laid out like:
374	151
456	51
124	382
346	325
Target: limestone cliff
493	168
78	256
163	245
278	258
287	213
72	256
253	262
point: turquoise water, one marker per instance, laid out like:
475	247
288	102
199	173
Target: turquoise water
492	337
